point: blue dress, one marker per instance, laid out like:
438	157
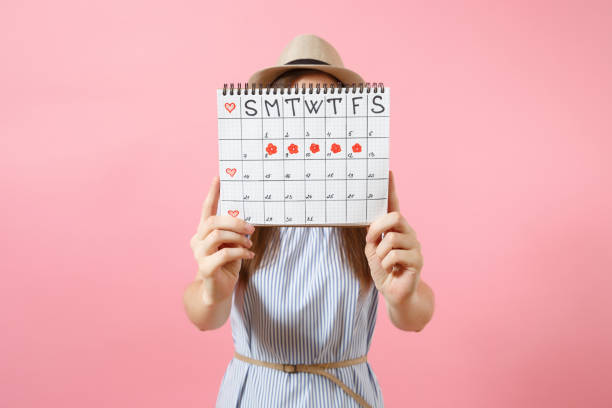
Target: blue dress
303	308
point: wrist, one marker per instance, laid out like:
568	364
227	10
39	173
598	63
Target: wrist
407	300
208	298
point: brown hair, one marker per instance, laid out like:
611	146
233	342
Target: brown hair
352	243
288	78
352	239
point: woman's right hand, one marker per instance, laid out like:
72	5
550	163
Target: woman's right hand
219	246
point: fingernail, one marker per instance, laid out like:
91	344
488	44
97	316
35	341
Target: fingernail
250	228
250	243
251	254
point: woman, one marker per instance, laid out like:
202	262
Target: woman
300	296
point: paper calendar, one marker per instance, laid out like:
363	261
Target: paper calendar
304	156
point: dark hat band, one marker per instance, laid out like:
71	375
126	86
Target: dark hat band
306	61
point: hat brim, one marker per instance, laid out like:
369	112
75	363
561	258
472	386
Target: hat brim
268	75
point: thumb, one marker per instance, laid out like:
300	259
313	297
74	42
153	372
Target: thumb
393	204
209	207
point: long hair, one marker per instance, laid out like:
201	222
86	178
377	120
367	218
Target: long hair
267	238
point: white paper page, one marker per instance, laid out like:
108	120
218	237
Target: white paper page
304	159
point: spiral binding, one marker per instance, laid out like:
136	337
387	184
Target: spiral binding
259	89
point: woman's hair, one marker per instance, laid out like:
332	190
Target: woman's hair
352	239
288	78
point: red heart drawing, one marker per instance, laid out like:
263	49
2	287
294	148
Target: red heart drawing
231	172
233	213
230	107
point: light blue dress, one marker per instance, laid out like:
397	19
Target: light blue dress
301	309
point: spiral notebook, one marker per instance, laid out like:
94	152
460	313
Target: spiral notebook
304	156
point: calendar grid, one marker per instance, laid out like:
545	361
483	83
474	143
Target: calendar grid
332	160
263	190
300	117
304	155
372	137
283	152
241	156
346	162
367	156
265	181
325	138
316	179
306	201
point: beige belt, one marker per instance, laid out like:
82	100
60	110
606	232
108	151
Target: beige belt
314	369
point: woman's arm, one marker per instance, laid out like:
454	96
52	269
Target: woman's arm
395	259
219	245
415	312
204	315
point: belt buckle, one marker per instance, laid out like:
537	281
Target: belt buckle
290	368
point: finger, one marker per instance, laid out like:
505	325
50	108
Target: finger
217	237
226	255
202	249
407	258
225	222
395	240
212	199
391	221
393	204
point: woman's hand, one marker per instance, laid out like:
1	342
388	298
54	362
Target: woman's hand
395	260
219	245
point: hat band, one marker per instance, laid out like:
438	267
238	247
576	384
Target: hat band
306	61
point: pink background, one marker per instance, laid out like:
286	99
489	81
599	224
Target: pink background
501	138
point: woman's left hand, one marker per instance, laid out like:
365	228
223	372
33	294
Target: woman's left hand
395	260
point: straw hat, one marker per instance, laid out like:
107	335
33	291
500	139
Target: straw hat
308	51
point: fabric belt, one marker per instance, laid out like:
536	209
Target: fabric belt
314	369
